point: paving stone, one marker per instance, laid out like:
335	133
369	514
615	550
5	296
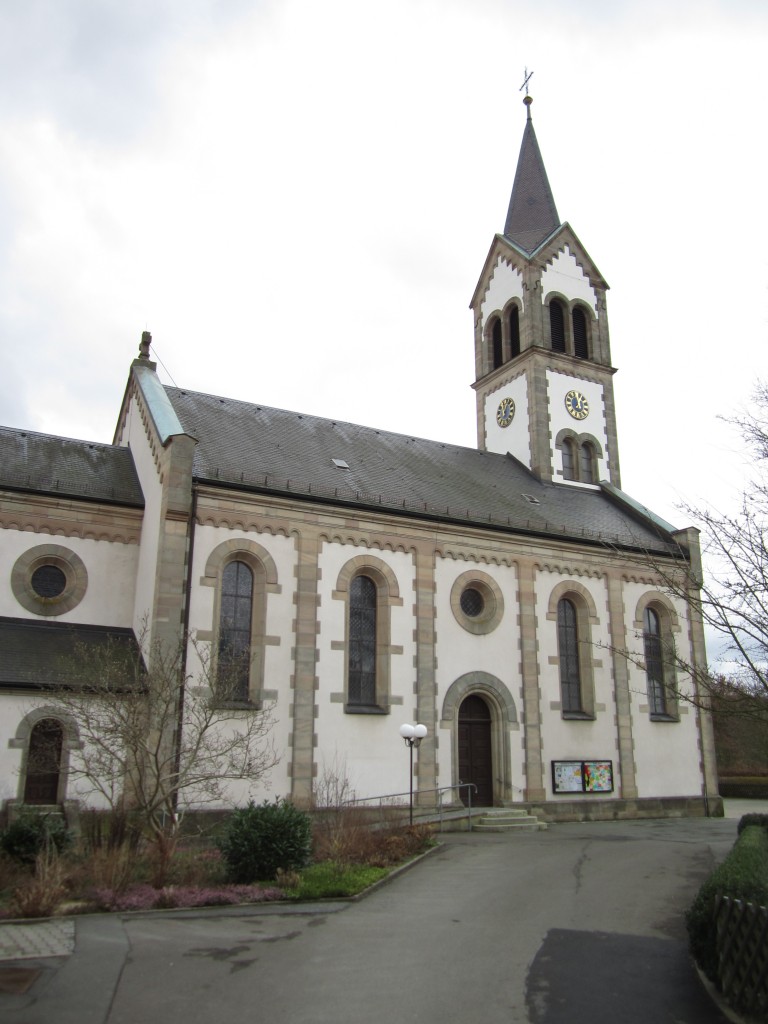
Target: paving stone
35	940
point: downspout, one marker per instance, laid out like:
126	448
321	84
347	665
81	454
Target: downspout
185	638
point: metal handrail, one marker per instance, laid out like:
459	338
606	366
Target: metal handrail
469	786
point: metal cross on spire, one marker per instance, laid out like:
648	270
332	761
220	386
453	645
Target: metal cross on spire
525	82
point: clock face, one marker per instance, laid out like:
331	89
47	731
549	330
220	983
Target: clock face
577	405
506	412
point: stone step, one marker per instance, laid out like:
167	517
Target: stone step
506	820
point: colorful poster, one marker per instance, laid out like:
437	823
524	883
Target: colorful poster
582	776
598	777
567	777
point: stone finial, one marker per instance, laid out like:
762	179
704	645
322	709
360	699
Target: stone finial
146	341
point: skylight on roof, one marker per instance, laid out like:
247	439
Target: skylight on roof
340	463
531	499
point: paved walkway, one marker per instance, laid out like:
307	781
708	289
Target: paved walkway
581	924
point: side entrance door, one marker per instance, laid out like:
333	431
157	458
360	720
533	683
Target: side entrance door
475	758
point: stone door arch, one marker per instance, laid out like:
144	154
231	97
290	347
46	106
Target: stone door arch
501	721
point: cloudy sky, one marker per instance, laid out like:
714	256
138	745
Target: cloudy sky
296	198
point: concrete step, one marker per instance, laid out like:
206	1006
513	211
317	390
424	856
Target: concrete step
506	819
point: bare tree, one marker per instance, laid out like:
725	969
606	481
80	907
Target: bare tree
152	740
731	598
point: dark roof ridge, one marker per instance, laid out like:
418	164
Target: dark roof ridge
25	432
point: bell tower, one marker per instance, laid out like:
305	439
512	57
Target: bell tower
544	380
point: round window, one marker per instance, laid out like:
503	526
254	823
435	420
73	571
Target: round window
472	602
476	601
49	581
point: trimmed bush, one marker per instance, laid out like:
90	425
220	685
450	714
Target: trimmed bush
259	840
32	834
752	819
743	875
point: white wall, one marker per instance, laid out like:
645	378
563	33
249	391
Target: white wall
565	276
516	438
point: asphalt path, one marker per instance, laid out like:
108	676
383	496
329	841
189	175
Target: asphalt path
580	924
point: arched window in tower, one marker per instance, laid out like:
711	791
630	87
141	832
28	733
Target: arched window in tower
580	334
41	785
587	466
568	466
568	652
557	325
233	665
654	662
514	332
362	641
496	344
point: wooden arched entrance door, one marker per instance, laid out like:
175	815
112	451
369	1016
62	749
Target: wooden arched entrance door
44	762
475	756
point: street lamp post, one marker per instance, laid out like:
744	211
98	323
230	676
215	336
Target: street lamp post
413	735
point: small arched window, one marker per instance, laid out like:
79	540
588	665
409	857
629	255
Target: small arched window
361	685
557	325
568	465
46	741
568	652
514	332
587	463
496	344
234	651
654	662
580	334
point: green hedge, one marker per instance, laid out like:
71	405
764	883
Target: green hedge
744	787
743	875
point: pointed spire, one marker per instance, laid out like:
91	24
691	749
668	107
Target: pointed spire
532	215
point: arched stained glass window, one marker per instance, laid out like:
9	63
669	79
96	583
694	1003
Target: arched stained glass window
587	468
362	641
569	470
236	616
654	662
568	651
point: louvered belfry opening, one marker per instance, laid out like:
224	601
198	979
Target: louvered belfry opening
557	325
514	332
580	335
497	344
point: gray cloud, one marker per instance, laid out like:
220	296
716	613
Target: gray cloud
96	66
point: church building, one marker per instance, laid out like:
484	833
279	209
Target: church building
352	580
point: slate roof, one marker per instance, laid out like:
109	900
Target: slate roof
62	466
532	215
41	653
276	451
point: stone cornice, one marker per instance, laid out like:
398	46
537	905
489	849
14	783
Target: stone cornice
55	517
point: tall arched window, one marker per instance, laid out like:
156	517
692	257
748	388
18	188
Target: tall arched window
654	662
557	325
43	772
361	685
580	334
569	470
514	332
234	653
496	344
587	467
568	651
